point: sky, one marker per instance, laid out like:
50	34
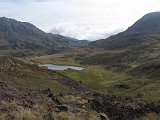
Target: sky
81	19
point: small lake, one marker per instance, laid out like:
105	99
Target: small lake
60	67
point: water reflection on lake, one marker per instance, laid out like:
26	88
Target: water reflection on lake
60	67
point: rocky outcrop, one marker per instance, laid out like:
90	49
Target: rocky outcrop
122	108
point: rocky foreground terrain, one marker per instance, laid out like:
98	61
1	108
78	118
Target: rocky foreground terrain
20	99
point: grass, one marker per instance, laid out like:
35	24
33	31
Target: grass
30	77
91	115
39	82
95	77
61	59
103	75
27	84
17	112
150	116
74	99
23	114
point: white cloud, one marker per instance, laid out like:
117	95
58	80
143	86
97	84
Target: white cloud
83	19
80	31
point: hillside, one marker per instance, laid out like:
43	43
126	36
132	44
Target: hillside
126	64
120	80
29	92
22	38
141	34
139	44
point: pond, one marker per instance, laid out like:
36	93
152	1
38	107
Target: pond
60	67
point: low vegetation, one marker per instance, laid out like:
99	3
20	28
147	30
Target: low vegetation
120	73
60	59
120	80
30	93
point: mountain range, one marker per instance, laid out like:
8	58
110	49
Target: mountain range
120	80
22	38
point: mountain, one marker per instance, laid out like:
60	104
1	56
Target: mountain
22	38
74	43
138	35
121	67
149	23
126	64
138	46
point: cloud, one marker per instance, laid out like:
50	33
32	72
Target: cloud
16	1
89	32
83	19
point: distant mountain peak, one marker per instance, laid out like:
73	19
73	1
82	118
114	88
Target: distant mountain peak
149	23
152	14
146	28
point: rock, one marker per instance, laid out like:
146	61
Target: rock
122	108
60	94
95	104
3	108
48	91
103	116
62	108
122	86
50	94
83	106
140	95
56	100
48	117
28	103
80	81
57	110
9	117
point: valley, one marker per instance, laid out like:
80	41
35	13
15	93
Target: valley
31	92
113	80
120	79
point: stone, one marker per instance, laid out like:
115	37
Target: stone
62	108
103	116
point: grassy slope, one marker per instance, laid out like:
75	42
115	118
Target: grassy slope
22	94
107	81
29	77
95	77
109	72
61	59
